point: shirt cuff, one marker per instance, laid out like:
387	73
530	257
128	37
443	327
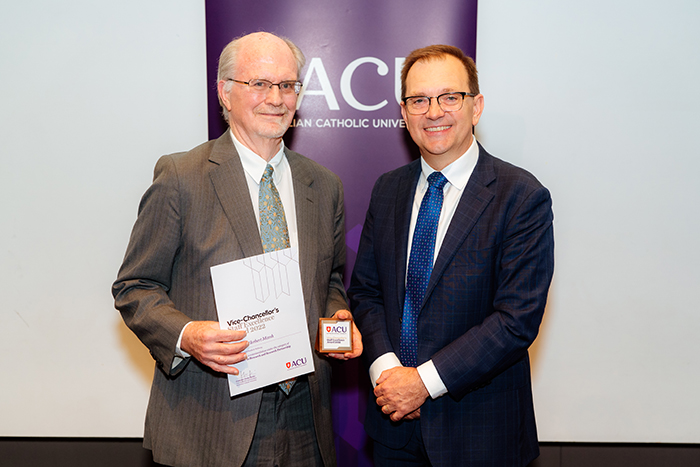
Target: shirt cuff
431	379
179	353
385	362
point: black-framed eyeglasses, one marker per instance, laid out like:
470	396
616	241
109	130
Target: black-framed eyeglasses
263	86
448	102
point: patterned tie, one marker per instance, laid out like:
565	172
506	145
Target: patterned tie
273	229
420	265
273	223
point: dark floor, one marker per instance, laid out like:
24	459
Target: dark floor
71	452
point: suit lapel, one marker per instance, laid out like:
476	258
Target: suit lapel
231	188
305	201
477	195
405	193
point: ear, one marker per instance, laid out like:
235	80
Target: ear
403	111
478	108
223	95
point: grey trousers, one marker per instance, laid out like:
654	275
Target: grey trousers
285	435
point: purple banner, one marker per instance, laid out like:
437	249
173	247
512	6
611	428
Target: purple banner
348	116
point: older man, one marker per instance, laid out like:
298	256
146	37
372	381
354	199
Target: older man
450	284
204	208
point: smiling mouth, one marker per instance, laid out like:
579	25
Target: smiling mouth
272	112
437	128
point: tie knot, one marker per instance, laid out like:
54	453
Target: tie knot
437	180
267	175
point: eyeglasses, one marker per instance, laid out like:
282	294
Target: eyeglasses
263	86
448	102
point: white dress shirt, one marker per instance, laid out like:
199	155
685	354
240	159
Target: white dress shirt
457	175
254	168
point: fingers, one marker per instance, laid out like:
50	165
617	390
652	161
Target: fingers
219	356
342	314
413	415
214	347
400	392
200	333
356	337
386	374
395	413
221	363
356	344
387	381
212	332
231	336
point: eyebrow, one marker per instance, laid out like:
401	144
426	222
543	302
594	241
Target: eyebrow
444	90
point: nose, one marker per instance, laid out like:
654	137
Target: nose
434	110
274	95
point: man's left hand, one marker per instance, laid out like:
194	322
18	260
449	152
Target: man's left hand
356	338
400	392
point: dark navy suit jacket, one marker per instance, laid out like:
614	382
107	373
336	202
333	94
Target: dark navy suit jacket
482	310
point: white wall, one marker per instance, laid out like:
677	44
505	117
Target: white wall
599	99
91	94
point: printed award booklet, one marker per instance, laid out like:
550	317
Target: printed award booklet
263	296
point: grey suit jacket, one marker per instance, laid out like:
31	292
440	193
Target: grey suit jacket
196	214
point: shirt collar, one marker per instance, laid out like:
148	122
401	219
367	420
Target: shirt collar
458	172
254	165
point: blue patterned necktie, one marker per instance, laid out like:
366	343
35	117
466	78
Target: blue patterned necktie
273	229
420	265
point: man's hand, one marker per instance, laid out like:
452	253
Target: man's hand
356	338
413	415
400	393
214	347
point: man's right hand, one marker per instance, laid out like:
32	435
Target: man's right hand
214	347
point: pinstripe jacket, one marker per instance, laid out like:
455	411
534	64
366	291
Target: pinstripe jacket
196	214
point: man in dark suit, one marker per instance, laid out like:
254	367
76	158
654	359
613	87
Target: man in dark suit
204	209
450	284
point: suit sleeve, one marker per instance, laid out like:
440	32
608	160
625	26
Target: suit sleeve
366	295
522	277
143	281
337	298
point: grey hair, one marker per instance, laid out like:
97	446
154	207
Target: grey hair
229	58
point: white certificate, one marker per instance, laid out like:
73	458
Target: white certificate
262	295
